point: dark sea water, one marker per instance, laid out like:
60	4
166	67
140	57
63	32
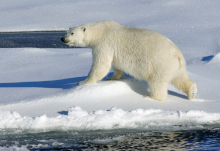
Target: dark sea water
119	139
32	39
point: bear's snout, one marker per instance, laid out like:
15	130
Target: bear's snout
63	39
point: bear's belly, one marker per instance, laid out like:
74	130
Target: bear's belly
139	70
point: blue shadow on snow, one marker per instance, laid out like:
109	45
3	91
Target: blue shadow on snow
208	58
63	83
63	112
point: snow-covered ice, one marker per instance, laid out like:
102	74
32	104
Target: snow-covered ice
38	86
79	119
39	92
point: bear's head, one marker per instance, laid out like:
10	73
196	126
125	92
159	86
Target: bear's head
75	37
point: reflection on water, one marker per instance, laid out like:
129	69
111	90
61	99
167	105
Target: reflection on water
117	140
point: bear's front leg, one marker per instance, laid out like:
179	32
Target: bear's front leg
118	74
99	70
158	90
87	81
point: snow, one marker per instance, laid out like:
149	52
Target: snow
38	86
79	119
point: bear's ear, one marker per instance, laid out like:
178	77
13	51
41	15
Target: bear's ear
84	29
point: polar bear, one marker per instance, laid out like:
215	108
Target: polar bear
141	53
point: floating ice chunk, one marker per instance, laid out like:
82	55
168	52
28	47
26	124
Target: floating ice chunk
103	141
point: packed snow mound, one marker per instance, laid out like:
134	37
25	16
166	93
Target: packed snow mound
207	60
215	59
115	118
33	83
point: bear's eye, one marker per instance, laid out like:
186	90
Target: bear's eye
72	33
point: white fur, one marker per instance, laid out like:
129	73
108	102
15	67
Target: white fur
142	53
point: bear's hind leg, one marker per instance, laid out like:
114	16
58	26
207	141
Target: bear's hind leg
158	90
118	74
192	91
183	82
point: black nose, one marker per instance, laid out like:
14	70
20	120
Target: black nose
63	39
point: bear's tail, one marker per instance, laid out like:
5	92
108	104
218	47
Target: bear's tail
181	60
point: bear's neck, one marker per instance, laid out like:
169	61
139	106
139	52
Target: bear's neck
96	36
